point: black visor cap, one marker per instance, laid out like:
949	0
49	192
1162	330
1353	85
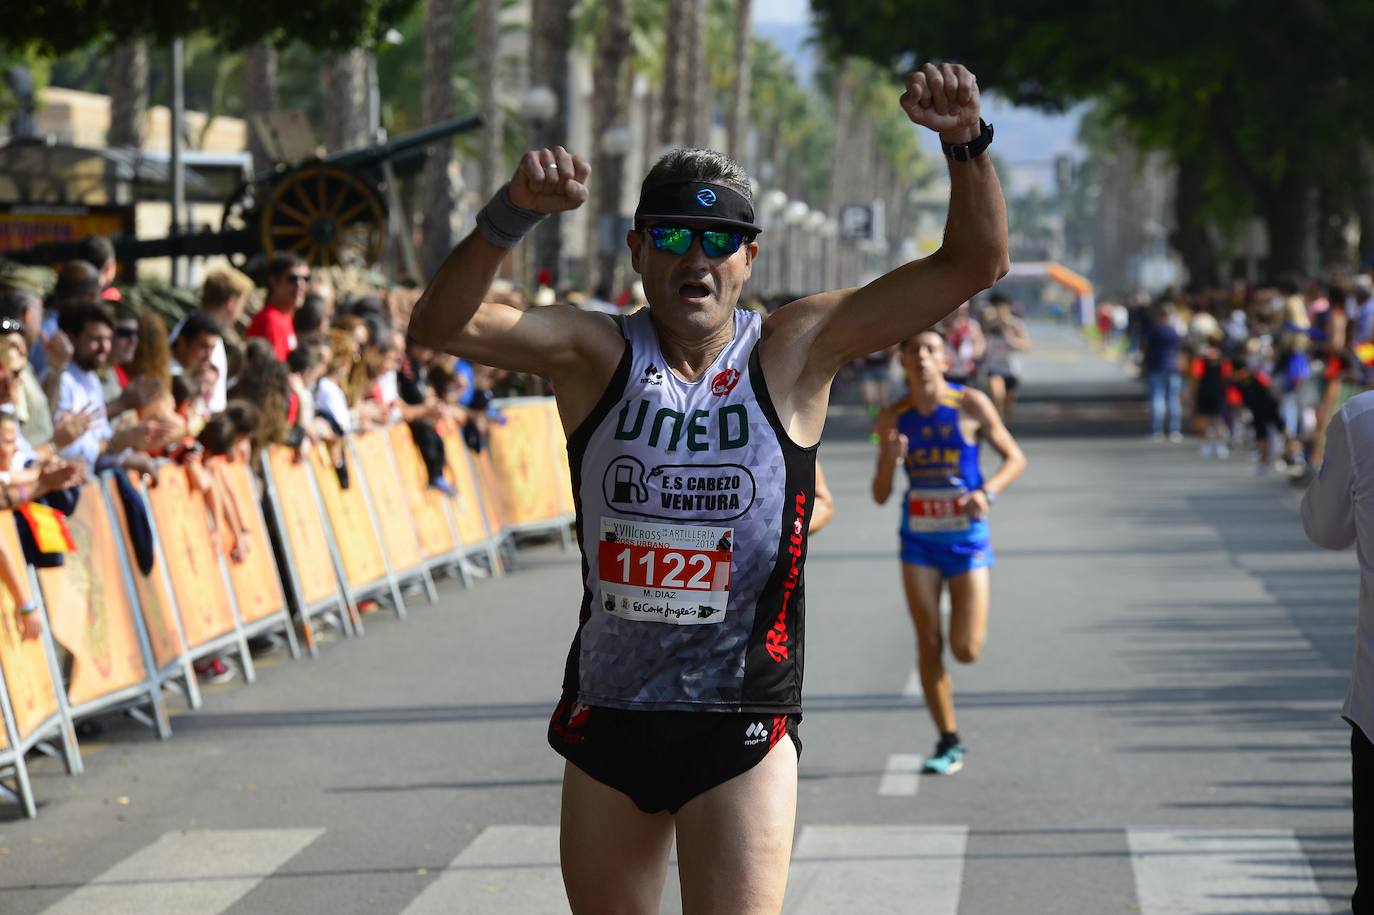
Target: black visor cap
698	201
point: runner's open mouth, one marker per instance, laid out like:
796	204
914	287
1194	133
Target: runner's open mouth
694	290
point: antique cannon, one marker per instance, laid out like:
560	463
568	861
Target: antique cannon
331	211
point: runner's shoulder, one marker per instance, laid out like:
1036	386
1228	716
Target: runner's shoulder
977	405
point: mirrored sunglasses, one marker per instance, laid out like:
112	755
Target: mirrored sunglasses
678	240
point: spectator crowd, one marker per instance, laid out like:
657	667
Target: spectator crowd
89	382
1251	369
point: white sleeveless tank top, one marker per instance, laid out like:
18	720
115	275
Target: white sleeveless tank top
692	511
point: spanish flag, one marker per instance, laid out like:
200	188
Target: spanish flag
48	527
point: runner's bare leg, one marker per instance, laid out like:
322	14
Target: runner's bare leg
734	842
968	614
614	855
923	585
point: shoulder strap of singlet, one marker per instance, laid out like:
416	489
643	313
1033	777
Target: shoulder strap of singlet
953	396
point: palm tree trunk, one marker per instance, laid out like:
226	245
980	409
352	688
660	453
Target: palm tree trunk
438	104
345	100
840	184
696	119
259	96
674	99
610	107
549	67
739	100
126	80
488	44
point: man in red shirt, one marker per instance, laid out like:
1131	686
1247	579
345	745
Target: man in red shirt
288	277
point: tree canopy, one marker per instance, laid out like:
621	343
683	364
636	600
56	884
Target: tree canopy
1264	94
61	26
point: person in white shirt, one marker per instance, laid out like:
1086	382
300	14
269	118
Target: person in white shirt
90	328
1338	511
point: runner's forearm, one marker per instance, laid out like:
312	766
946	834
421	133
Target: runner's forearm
882	479
976	228
1012	467
455	293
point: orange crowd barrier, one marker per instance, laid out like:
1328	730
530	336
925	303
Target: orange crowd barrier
202	595
299	522
154	596
389	502
90	609
31	708
522	465
28	677
562	471
428	511
256	587
359	543
469	514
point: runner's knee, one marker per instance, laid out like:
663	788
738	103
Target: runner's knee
965	650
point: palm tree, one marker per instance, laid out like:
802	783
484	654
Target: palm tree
696	119
126	81
346	103
674	75
738	122
551	41
259	95
611	91
438	104
488	87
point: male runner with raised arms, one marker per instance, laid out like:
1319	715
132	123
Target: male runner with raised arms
692	431
934	433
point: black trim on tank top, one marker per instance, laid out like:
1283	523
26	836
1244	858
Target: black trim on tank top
577	447
773	657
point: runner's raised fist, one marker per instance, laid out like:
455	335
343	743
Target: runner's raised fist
550	181
944	97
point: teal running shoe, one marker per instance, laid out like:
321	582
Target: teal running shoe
944	762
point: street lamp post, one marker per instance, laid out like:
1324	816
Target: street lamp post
815	223
770	210
614	144
795	217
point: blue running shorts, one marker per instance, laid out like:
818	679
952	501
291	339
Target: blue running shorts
952	558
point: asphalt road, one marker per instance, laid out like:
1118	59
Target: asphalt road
1153	726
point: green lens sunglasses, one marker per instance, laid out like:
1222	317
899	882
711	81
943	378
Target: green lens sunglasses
678	240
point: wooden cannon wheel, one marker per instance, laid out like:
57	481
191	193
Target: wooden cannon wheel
326	215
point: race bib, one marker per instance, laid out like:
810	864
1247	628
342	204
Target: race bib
932	510
665	573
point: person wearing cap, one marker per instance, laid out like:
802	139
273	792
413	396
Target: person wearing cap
692	432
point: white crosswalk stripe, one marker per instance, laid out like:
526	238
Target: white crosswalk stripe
901	778
1222	872
506	869
203	871
872	869
877	870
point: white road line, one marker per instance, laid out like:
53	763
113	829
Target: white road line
202	871
1221	871
901	778
912	690
505	869
877	870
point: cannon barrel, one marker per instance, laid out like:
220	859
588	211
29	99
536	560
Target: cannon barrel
370	157
192	244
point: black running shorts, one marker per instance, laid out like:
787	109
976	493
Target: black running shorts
661	760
